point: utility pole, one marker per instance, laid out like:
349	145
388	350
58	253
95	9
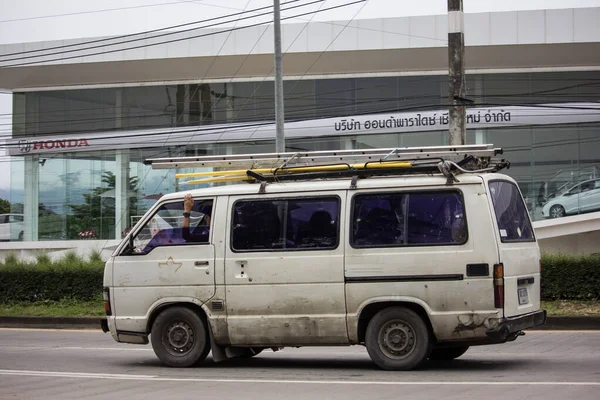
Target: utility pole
279	115
456	55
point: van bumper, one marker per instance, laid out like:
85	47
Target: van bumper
509	328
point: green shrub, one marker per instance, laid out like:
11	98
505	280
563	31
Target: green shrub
43	259
68	278
95	256
571	277
563	277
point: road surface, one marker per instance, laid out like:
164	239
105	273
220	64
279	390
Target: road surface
59	364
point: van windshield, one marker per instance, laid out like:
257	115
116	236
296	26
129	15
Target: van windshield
513	220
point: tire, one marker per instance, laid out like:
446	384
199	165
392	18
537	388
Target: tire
179	337
448	353
397	339
557	211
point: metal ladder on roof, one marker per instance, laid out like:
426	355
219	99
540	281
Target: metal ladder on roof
270	167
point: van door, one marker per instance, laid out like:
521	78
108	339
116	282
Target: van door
284	270
518	250
165	262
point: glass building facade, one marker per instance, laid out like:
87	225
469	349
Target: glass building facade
76	192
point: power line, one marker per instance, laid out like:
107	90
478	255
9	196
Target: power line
179	32
93	11
541	144
201	130
341	103
298	111
182	39
135	34
318	58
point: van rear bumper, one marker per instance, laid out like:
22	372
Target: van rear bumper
509	327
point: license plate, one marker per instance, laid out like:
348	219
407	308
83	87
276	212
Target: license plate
523	296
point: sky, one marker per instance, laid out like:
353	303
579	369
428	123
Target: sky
42	20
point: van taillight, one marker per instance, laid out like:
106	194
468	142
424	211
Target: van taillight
499	285
106	297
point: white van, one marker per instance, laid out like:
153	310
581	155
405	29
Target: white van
419	260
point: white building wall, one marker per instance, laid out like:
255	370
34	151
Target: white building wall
481	29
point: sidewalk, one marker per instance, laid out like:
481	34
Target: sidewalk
553	323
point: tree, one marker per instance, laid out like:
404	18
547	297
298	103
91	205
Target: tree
97	212
4	206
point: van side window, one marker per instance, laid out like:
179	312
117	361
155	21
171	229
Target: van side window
165	228
286	224
408	219
511	214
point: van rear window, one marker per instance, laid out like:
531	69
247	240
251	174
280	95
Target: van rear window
513	220
408	219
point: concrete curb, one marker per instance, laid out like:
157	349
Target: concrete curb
51	322
553	323
571	323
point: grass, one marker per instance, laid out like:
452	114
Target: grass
95	308
575	308
63	308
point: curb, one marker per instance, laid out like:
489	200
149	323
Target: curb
552	323
51	322
570	323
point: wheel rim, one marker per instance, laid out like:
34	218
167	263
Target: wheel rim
557	212
397	339
179	338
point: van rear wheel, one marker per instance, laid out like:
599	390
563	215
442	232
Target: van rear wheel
448	353
179	337
397	339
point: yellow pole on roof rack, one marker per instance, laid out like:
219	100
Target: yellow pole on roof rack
291	170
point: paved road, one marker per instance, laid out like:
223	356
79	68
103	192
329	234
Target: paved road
88	365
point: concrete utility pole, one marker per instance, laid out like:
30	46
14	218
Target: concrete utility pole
456	55
279	115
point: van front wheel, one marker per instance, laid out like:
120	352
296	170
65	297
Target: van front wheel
397	339
179	337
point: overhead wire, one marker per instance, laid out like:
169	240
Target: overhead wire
178	32
204	130
94	11
307	110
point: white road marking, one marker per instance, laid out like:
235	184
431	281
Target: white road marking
157	378
100	331
75	348
51	330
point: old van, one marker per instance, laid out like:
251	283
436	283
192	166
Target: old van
414	253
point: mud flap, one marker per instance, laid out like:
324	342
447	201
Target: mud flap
218	352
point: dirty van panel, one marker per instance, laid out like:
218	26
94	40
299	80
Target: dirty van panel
519	251
165	258
284	270
433	247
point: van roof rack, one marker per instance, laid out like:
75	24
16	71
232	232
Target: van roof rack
270	167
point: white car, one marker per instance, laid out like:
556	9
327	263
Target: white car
11	227
583	197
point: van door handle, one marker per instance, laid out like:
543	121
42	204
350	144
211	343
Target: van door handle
200	263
